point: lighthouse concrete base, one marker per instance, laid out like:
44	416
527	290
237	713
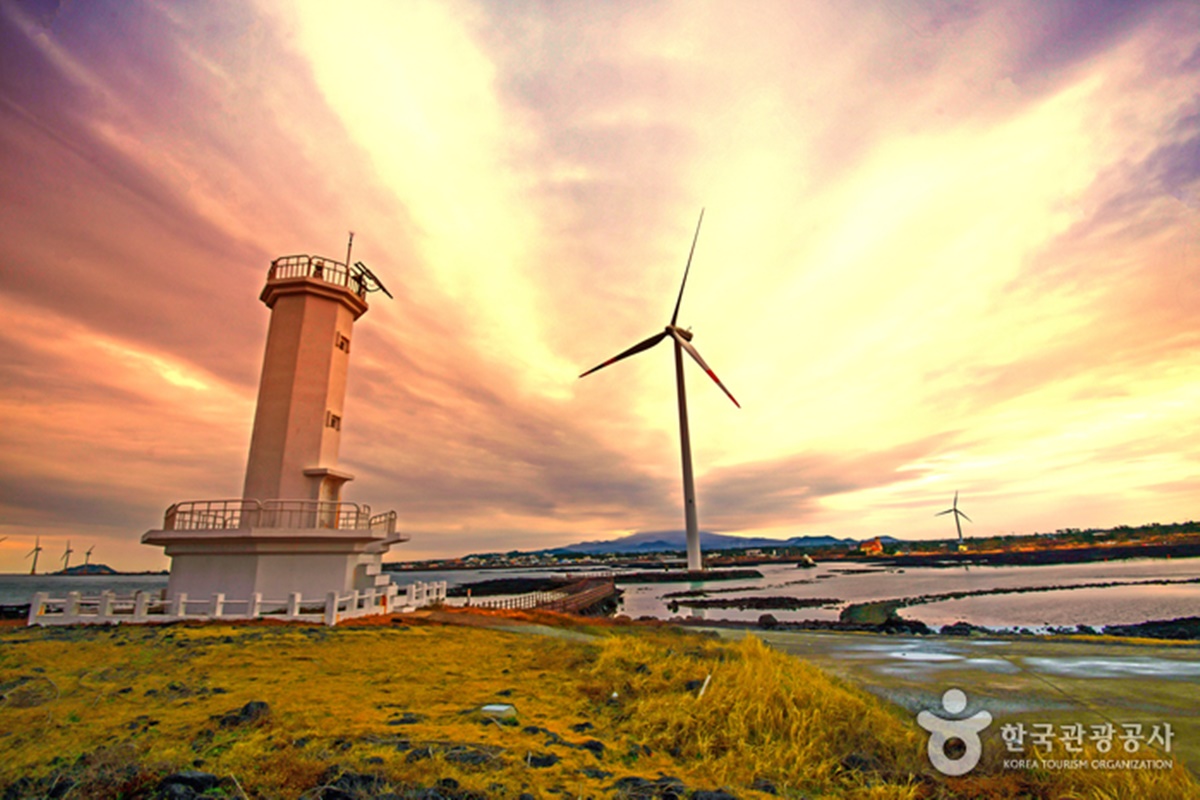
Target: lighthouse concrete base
274	562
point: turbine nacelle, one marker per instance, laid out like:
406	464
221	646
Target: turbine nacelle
676	330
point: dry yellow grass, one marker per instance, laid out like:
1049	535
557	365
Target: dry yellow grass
117	708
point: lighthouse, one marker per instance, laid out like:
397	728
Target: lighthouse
291	532
301	394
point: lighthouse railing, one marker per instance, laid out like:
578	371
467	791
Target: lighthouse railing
320	268
196	515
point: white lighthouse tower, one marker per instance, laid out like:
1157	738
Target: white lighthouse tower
290	532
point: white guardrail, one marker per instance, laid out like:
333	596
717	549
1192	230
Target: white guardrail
109	608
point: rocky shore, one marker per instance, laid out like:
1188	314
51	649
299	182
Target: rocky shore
1058	555
506	586
756	603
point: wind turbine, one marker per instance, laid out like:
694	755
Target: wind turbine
87	557
682	341
37	548
67	556
954	510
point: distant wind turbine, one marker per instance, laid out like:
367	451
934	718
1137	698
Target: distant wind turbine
954	510
67	556
682	341
87	557
37	548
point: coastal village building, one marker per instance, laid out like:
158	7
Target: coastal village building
290	533
871	547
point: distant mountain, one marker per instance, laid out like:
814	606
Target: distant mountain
89	569
657	541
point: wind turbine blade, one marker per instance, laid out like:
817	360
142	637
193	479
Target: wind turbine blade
944	513
686	345
964	516
686	269
645	344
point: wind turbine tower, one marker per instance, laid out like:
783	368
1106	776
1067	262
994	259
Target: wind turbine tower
958	525
37	548
682	340
67	556
87	557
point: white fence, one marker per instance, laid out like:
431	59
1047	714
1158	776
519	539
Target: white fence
112	609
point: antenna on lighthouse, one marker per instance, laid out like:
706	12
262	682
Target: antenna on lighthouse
349	245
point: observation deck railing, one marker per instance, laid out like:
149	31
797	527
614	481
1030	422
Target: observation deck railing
320	268
206	515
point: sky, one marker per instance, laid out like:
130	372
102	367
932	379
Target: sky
947	246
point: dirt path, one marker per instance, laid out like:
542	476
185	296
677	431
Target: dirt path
496	622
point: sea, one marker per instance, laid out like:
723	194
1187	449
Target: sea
1050	596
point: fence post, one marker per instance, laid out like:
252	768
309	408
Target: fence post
293	604
411	592
179	606
217	607
106	606
71	609
37	606
352	608
141	601
331	608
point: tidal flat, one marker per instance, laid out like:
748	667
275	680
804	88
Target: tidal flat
1058	680
394	707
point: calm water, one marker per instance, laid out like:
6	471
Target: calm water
16	589
842	582
852	583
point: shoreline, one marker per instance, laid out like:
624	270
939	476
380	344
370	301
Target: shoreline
1183	631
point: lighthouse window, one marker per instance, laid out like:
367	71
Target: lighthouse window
343	342
332	420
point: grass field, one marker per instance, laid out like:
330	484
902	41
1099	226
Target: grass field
394	706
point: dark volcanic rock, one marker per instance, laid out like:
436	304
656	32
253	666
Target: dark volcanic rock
959	628
418	754
253	711
186	785
593	746
764	785
468	756
760	603
541	759
1178	628
337	785
193	779
666	787
895	624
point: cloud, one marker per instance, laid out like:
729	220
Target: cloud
946	245
762	494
